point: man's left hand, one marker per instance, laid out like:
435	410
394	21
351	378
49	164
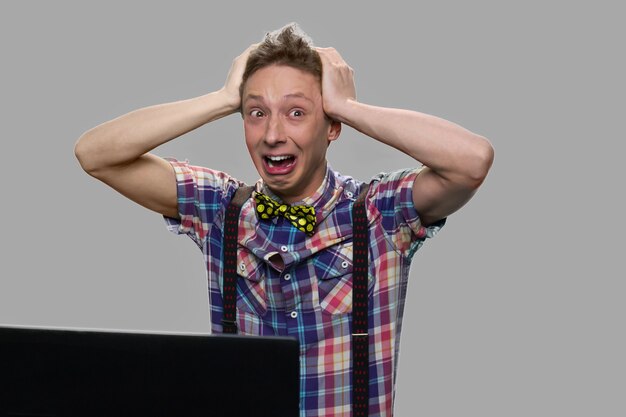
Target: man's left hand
338	88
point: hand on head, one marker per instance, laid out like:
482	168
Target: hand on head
233	80
338	87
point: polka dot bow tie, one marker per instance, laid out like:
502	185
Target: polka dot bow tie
301	217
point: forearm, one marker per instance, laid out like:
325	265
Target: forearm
126	138
453	152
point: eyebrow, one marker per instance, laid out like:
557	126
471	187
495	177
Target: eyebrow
298	95
291	95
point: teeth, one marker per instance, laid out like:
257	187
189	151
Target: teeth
278	158
272	160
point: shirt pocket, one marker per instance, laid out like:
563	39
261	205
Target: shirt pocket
251	294
334	274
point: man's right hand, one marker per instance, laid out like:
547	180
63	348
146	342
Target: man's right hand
234	78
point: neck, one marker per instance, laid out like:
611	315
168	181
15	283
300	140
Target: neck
307	191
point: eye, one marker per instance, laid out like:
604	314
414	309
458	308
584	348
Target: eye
256	113
296	113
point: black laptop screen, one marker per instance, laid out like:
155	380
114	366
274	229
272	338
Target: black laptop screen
95	373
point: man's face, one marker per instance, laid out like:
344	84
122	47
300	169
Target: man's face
287	132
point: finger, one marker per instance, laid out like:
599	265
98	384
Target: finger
321	52
331	56
248	50
327	52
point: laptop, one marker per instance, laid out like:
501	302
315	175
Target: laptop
70	372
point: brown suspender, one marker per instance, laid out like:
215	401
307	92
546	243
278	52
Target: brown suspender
360	268
360	339
229	257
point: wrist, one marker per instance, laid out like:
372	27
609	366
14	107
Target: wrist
210	107
342	111
230	101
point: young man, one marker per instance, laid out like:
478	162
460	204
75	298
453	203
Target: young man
295	269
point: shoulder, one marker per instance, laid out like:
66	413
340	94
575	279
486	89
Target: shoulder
384	182
201	175
203	190
390	189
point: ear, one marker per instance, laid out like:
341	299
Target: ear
334	130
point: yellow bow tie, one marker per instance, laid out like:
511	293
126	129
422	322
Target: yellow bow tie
301	216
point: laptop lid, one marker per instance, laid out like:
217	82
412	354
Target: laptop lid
66	372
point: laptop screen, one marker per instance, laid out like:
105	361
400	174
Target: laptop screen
51	372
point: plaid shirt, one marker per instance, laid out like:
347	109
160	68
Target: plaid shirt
310	298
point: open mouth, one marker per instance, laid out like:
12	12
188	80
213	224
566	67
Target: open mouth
279	161
279	164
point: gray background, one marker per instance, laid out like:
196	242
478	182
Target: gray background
515	309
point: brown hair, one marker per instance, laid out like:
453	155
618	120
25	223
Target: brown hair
289	46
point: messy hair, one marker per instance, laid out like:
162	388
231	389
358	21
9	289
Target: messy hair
289	46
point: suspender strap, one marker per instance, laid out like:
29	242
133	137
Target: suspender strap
360	340
229	258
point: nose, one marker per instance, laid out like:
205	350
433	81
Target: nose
274	133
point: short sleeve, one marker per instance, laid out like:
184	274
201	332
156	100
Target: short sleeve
202	195
391	194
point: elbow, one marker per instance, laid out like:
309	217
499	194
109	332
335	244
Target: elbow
480	163
85	154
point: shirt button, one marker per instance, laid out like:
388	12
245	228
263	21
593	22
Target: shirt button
344	264
242	266
294	314
349	194
287	277
284	248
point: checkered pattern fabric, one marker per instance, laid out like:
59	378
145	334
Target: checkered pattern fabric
308	294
